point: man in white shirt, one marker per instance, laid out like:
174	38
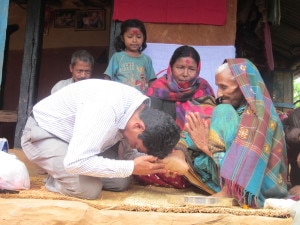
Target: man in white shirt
72	134
81	68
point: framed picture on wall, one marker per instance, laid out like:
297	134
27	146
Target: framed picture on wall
64	18
91	19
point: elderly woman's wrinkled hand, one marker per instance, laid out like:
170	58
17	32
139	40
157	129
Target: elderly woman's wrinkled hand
198	129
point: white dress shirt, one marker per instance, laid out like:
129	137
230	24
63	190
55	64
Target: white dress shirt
88	115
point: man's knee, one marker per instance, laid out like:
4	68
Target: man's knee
116	184
86	188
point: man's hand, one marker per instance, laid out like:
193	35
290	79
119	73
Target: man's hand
148	164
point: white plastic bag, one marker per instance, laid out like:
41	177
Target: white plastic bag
277	203
13	173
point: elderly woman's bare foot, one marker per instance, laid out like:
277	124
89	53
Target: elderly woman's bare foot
222	194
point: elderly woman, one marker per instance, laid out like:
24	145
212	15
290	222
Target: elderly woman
246	138
180	91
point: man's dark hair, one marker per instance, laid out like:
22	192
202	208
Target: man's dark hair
161	132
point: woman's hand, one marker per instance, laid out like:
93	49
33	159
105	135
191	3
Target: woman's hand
198	130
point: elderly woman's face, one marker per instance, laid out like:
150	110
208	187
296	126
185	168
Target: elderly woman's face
228	89
184	69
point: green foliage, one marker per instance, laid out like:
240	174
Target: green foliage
297	93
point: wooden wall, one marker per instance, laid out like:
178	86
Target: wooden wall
188	34
196	34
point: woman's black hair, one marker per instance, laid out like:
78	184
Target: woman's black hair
131	23
185	51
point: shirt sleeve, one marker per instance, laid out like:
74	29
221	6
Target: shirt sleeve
56	87
150	70
112	67
60	84
95	126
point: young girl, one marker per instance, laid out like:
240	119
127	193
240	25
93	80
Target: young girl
129	65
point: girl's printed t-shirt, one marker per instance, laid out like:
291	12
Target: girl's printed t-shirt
133	71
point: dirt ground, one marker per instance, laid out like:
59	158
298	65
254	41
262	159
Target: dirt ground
53	208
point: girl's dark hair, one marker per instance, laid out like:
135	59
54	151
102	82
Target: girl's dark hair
185	51
131	23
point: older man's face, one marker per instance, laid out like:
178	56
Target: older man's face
81	70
